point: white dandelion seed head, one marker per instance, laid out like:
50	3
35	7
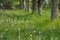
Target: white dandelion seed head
39	32
1	36
34	31
31	35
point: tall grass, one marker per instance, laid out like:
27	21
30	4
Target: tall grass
20	25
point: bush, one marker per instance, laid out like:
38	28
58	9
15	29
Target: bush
7	4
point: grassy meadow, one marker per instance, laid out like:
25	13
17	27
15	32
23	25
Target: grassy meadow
21	25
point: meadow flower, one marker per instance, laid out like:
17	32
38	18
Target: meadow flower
30	35
18	29
1	36
39	32
34	31
19	37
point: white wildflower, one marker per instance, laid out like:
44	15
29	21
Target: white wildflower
19	29
34	31
30	35
1	36
39	32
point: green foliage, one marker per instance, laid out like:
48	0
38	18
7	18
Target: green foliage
59	4
17	24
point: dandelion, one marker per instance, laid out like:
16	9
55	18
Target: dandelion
19	29
19	37
34	31
1	36
31	37
39	32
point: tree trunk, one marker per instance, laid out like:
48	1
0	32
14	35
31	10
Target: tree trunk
22	4
33	6
27	5
54	9
40	4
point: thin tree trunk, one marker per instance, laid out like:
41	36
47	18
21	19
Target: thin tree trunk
27	6
22	4
33	6
40	4
54	9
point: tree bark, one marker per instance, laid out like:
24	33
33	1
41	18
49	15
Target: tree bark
33	6
27	5
22	4
54	9
40	4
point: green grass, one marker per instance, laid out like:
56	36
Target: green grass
21	25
